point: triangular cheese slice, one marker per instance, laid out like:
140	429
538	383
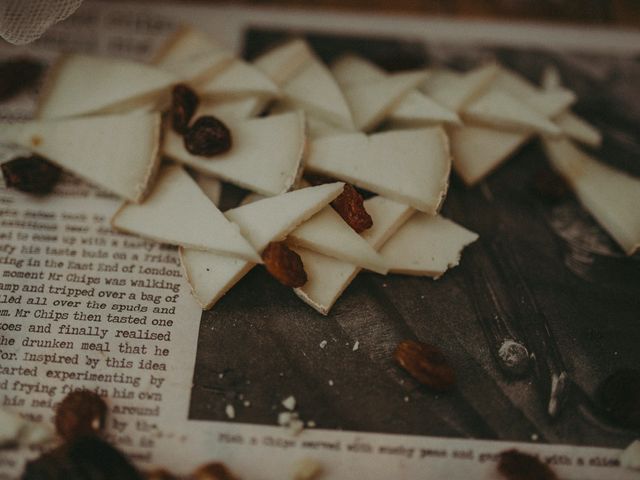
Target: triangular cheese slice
83	84
455	91
178	213
210	186
409	166
271	219
192	56
611	196
551	78
502	111
316	128
315	90
238	80
477	151
327	233
232	110
414	109
427	246
119	153
578	129
328	277
284	61
371	102
265	155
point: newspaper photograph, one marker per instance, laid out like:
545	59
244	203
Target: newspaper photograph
532	316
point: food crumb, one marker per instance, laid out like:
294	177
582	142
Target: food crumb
289	403
247	403
534	437
323	343
356	345
220	375
311	424
230	411
406	399
330	383
307	469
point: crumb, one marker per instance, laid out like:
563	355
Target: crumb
291	421
311	424
247	403
323	343
534	437
356	345
220	375
307	469
406	399
330	383
289	403
230	411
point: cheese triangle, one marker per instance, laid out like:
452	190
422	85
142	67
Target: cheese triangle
232	110
578	129
477	151
314	89
454	91
409	166
327	233
83	84
328	277
316	128
119	153
192	56
284	61
551	78
503	111
414	109
611	196
265	155
210	186
272	219
238	80
179	213
427	246
372	102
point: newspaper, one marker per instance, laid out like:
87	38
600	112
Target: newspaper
82	306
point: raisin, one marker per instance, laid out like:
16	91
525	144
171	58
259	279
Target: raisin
184	102
425	363
515	465
18	75
207	137
80	413
31	174
350	206
284	264
214	471
549	186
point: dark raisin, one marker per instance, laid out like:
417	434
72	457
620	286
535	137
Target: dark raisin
18	75
515	465
184	103
31	174
619	397
214	471
549	186
80	413
425	363
284	264
207	137
350	206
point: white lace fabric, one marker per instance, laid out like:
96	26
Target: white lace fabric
23	21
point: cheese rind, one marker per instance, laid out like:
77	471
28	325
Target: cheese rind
426	246
82	84
179	213
611	196
327	277
327	233
271	219
409	166
116	152
265	155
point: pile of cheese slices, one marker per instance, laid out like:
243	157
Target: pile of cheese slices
396	135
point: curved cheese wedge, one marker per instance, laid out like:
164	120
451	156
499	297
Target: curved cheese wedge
426	246
192	56
265	156
503	111
314	89
351	69
237	80
551	104
327	233
272	219
611	196
119	153
83	84
409	166
284	61
578	129
454	91
477	151
372	102
179	213
328	277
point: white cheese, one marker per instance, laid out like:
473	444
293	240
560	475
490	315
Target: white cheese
232	110
238	80
551	104
630	457
477	151
82	84
327	277
409	166
289	403
327	233
116	152
578	129
177	212
210	186
611	196
284	61
265	155
454	91
211	276
426	245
